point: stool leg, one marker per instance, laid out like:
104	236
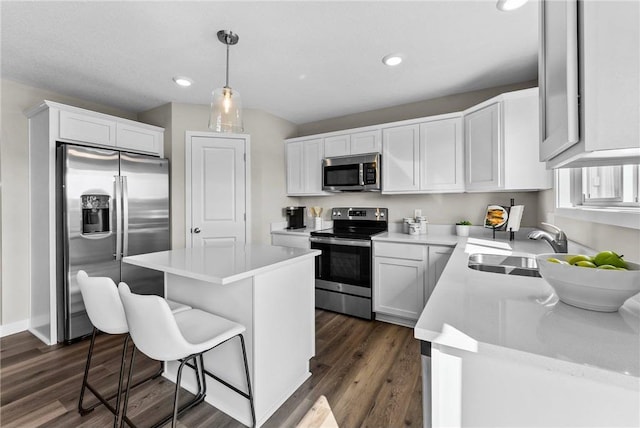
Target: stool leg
121	379
126	394
246	370
81	409
175	397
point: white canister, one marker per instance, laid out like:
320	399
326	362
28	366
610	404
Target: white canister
317	223
423	224
406	222
414	229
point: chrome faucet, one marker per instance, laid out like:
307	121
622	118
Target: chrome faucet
558	241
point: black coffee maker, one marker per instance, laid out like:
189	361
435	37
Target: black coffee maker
295	217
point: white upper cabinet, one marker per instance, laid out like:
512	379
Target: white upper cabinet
423	157
483	144
304	167
138	139
340	145
352	144
401	159
441	160
87	128
96	129
501	144
589	68
366	142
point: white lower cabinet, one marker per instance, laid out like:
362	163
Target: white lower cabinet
404	275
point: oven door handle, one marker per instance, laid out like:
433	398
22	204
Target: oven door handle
341	241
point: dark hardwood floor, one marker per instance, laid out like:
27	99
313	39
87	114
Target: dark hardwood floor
368	370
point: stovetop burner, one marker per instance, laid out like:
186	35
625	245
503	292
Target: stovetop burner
356	223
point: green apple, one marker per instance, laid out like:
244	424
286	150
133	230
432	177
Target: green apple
585	263
609	258
608	267
579	258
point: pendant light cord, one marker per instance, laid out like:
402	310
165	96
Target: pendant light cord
227	79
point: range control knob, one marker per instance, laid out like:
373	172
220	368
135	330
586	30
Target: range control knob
381	214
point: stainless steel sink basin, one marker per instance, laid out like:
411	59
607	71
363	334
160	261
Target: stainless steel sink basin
507	265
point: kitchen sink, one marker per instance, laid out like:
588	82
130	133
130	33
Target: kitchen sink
506	265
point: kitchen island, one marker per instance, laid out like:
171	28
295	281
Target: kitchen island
268	289
505	352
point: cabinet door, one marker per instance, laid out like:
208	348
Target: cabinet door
295	157
400	159
399	287
441	161
339	145
138	139
87	129
365	142
558	73
438	258
483	144
312	172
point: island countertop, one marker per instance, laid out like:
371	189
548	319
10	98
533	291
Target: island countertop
222	263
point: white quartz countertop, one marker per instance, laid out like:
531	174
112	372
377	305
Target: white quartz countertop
295	232
221	264
470	310
426	239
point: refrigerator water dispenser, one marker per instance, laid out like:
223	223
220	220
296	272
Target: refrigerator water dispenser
95	214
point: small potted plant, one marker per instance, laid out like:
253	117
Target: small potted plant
462	228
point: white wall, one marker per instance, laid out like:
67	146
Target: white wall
268	194
14	161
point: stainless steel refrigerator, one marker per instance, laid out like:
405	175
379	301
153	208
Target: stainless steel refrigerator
111	204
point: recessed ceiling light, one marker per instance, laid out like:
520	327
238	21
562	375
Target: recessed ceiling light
182	81
392	60
507	5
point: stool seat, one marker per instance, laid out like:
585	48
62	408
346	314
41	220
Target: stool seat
204	330
106	313
183	336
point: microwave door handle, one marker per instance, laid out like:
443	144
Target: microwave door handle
361	174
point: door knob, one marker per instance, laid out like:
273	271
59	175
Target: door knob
196	230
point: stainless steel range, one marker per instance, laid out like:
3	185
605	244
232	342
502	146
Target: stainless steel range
343	271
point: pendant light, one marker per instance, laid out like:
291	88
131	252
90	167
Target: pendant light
226	105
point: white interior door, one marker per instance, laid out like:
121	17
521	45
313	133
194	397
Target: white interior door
217	200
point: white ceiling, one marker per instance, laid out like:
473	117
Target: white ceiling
300	60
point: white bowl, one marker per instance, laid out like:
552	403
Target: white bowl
601	290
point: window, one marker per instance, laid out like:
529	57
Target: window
599	186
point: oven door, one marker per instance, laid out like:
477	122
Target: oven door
346	262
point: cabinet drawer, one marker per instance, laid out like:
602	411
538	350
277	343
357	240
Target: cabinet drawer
400	251
88	129
138	139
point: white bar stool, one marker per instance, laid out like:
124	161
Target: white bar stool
106	313
184	336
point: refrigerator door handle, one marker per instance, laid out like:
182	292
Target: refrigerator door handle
118	203
125	217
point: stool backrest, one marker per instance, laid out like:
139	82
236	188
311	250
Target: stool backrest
102	302
152	326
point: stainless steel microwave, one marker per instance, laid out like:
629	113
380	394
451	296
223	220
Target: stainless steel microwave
352	173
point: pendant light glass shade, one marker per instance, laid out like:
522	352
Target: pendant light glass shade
226	111
226	105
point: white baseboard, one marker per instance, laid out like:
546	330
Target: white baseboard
14	327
